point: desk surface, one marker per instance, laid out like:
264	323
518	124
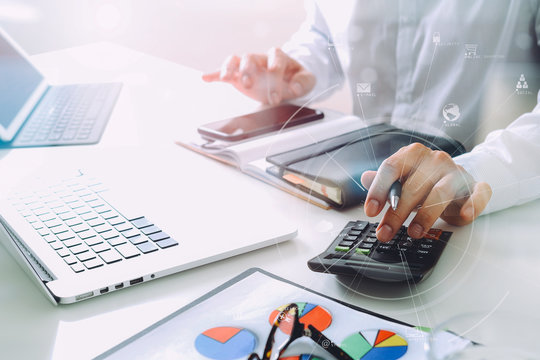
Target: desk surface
491	265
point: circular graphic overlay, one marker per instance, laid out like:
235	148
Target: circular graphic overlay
308	314
375	345
301	357
225	343
451	112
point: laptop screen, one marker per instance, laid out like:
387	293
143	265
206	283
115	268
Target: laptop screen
19	80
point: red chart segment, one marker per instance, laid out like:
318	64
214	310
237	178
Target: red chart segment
375	345
308	314
225	343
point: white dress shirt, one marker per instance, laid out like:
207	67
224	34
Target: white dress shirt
459	67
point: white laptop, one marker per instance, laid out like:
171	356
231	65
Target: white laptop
143	214
34	113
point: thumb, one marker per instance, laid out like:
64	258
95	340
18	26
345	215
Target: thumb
212	76
301	83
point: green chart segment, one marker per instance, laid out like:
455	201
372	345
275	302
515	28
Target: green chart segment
375	345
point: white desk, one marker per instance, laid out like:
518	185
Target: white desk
491	265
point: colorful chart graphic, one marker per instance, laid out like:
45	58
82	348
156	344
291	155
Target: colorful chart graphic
375	345
226	343
301	357
308	314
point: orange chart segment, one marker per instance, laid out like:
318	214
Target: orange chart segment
383	335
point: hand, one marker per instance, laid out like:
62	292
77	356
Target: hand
430	179
269	79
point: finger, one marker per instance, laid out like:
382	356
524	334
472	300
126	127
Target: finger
395	167
415	189
229	69
440	196
213	76
472	207
277	63
251	66
301	83
367	178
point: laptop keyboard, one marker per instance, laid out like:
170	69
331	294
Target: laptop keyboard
69	114
85	230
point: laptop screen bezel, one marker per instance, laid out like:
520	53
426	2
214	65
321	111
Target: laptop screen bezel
7	134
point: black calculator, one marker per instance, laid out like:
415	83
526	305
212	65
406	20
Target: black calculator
356	251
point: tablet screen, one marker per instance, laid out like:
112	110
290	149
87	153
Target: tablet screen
19	79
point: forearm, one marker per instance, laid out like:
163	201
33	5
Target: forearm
311	47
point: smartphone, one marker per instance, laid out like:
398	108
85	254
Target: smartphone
259	123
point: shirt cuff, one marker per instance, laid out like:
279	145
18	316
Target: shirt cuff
484	166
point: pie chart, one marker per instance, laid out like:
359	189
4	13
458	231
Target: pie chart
226	343
308	314
301	357
375	345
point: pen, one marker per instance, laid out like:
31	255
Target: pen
394	194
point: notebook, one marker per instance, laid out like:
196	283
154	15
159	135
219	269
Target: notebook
34	113
124	220
331	169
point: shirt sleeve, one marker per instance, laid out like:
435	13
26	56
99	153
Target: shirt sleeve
312	46
509	161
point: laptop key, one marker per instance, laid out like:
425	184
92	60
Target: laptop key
150	230
63	252
85	256
110	256
59	229
56	245
130	233
66	235
77	249
142	223
70	259
127	250
147	247
93	241
139	239
166	243
77	267
123	226
117	241
101	247
72	242
94	263
158	236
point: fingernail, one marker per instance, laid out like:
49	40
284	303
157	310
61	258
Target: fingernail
468	212
385	233
416	230
274	98
297	89
372	207
246	81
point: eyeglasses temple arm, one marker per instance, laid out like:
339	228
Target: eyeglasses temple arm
327	344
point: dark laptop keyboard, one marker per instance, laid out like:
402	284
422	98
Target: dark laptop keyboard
69	114
85	230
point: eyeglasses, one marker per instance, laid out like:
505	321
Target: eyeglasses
288	322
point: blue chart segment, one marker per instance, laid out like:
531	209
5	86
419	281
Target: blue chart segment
375	345
225	343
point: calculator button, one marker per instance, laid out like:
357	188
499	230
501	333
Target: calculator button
360	226
354	233
350	238
342	248
345	243
363	251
